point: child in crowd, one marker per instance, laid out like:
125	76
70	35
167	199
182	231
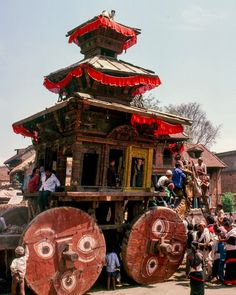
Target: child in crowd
112	263
18	270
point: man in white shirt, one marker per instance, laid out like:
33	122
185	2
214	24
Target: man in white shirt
205	243
163	179
49	183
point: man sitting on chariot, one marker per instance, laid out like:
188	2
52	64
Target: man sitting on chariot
178	178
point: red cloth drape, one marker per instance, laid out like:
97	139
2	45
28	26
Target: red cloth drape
122	81
145	82
137	119
20	129
163	128
108	23
176	148
143	88
57	86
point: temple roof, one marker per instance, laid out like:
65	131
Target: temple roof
69	33
103	64
209	158
103	24
105	70
90	100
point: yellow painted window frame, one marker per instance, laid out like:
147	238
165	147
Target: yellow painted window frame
147	155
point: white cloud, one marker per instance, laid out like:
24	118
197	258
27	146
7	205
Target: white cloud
198	18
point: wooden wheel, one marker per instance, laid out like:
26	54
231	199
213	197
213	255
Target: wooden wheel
154	248
66	252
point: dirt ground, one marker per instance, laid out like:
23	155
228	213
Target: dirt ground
167	288
176	285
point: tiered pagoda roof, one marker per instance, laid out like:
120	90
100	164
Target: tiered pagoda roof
101	73
102	81
103	32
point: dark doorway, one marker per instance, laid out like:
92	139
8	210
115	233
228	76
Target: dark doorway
89	172
115	170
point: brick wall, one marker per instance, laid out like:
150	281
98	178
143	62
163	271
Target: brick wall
228	181
228	177
215	187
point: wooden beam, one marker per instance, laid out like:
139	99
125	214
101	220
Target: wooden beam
9	241
88	80
58	123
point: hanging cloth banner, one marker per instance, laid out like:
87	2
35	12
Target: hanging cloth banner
57	86
144	82
143	88
141	120
122	81
20	129
163	128
176	148
107	23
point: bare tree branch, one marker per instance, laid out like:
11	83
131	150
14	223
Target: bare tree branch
202	130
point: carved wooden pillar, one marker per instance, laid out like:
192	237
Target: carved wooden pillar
105	163
61	165
76	152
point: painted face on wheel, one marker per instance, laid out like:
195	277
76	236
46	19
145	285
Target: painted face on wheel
171	233
160	228
44	246
85	248
158	262
49	235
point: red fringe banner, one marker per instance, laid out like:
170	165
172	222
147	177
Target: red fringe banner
145	82
176	148
105	22
122	81
56	87
163	128
20	129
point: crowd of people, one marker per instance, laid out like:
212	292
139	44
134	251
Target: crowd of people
211	251
211	244
184	181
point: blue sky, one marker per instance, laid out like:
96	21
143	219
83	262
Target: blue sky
191	45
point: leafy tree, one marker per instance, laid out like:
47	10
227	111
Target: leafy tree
202	130
228	202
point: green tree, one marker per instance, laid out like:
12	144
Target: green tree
228	202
